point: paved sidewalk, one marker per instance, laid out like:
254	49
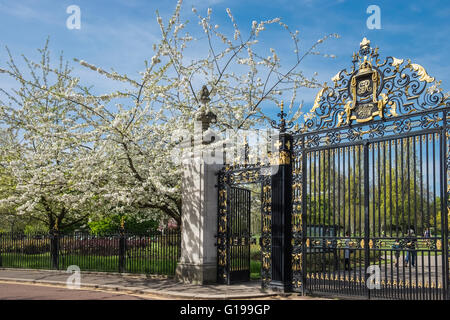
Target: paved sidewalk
141	284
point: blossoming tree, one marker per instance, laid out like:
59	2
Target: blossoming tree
116	149
47	148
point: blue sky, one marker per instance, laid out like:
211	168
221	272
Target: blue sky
120	33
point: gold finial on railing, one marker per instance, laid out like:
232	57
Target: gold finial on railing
283	125
122	222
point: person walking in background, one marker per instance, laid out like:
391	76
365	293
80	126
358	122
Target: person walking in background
427	236
396	247
411	248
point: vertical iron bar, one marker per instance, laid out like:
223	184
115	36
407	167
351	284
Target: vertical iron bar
330	240
422	218
427	220
416	282
383	240
1	248
408	180
305	180
378	170
437	293
314	257
335	235
444	215
366	210
353	201
121	251
435	216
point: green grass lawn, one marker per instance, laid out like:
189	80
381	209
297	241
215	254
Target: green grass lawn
255	270
90	263
255	262
27	261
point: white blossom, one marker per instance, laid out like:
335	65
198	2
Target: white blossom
113	152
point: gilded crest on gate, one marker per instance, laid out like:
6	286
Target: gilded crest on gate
366	102
373	89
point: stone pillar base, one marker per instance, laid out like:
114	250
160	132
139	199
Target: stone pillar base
196	273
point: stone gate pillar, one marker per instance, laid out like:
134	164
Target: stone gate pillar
198	261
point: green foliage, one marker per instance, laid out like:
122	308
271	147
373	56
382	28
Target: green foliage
111	224
399	194
35	228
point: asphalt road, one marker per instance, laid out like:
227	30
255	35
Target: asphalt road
18	291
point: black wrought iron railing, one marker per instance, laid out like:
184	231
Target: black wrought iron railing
150	253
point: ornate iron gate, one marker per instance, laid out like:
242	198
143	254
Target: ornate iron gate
233	237
364	189
239	234
370	195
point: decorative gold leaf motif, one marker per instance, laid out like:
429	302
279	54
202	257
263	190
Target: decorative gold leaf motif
335	79
285	157
420	71
393	108
396	62
318	97
288	145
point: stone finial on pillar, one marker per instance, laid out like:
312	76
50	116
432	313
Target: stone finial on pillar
204	115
